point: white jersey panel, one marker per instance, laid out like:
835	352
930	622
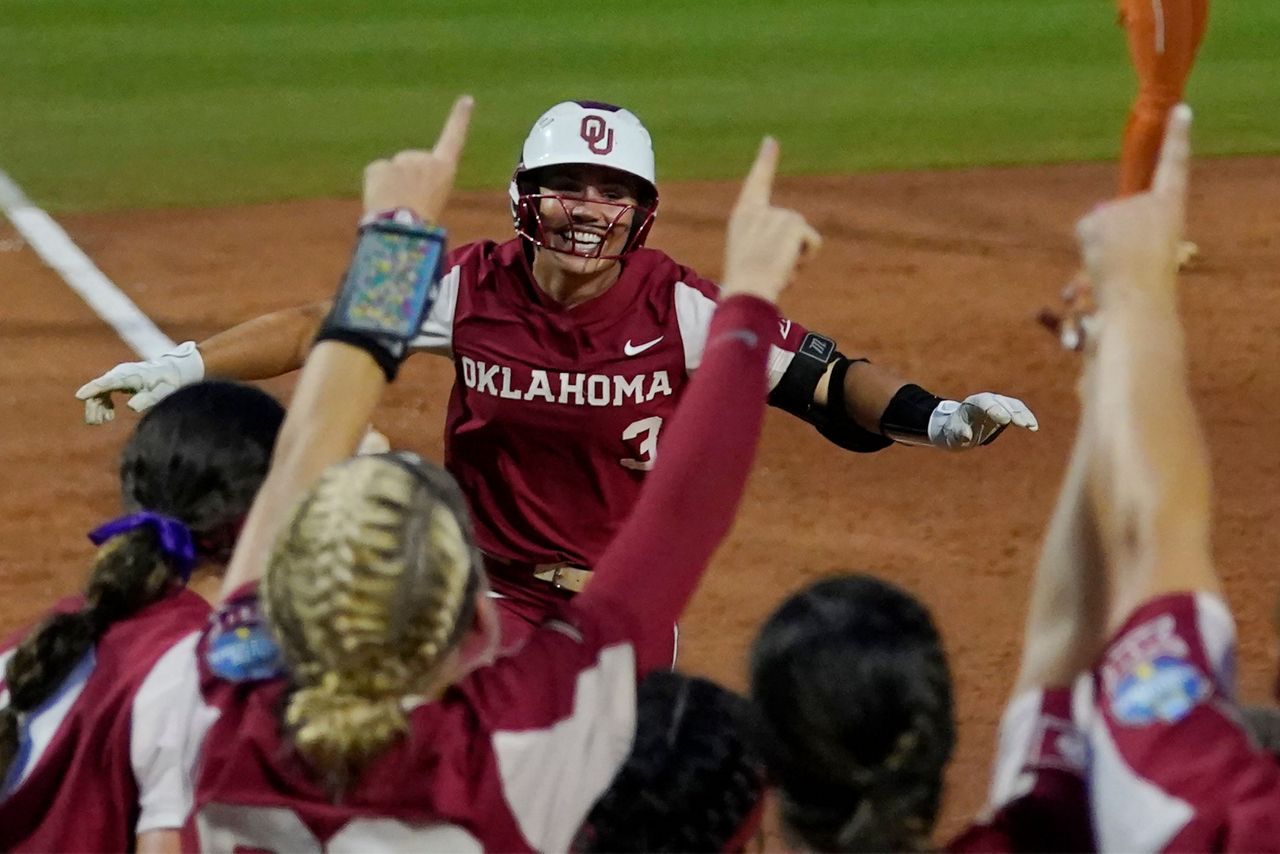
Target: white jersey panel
1129	813
551	777
169	721
436	334
693	314
1218	633
1015	741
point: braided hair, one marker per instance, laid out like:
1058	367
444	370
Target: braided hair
853	714
690	782
371	585
198	456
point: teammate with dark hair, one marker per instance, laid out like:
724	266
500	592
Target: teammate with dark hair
690	782
384	721
87	759
854	698
855	715
572	344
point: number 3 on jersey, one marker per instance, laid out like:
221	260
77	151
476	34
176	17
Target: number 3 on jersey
648	450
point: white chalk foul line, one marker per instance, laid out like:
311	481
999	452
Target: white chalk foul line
57	250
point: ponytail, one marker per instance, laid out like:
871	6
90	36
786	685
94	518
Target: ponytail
129	573
188	475
339	731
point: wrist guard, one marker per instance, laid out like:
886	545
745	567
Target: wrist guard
387	291
906	418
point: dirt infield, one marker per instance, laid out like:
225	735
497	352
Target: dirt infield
936	273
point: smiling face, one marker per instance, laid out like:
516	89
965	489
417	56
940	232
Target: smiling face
585	216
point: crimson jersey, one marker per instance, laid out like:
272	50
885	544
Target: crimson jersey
102	758
1171	768
512	757
509	759
556	413
1038	800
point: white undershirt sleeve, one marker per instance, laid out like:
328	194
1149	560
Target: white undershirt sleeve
168	724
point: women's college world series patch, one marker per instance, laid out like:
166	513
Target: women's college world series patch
1149	676
241	648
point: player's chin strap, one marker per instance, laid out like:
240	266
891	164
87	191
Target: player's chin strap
794	393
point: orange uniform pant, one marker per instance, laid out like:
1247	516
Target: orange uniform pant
1163	37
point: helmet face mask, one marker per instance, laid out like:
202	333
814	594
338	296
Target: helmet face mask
608	145
555	221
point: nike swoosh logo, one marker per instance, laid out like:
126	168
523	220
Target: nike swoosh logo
639	348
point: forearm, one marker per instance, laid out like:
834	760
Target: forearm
689	500
159	842
1151	479
335	397
264	347
868	388
1067	609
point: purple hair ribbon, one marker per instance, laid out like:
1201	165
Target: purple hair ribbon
176	542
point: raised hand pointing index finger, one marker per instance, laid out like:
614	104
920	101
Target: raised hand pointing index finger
758	186
1170	179
448	148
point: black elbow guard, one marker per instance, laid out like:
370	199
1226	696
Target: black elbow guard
794	393
849	435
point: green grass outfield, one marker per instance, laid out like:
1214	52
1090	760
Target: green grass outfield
143	103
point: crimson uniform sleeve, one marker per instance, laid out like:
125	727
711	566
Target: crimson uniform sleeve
1171	768
689	500
1038	800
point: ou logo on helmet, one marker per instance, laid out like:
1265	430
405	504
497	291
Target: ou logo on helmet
596	134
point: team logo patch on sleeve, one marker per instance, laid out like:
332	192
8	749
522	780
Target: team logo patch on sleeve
1149	676
818	347
241	648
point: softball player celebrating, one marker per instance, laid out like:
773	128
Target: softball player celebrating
387	722
1172	768
92	697
572	344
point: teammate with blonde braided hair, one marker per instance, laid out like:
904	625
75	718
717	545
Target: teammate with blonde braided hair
384	720
87	755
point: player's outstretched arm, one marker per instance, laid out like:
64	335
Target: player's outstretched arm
265	346
1067	613
689	500
865	407
257	349
1151	480
362	341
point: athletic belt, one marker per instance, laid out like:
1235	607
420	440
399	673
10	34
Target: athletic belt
562	576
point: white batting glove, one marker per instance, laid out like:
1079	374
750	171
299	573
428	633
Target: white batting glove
977	420
149	382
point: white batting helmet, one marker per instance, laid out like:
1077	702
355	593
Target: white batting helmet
585	133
